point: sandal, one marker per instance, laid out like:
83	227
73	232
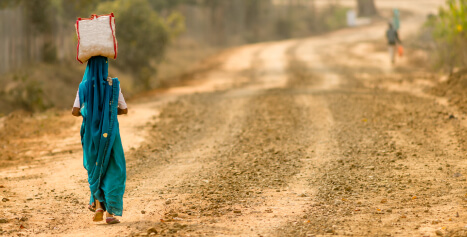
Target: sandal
99	216
92	207
112	220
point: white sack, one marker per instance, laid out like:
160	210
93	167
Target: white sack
96	37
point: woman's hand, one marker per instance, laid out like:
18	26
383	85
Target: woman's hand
76	112
122	111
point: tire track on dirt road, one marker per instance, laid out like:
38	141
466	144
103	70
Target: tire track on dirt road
247	160
260	179
401	160
219	188
385	183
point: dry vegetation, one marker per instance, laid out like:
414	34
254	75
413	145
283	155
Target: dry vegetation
50	78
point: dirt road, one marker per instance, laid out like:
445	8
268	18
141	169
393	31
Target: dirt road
316	136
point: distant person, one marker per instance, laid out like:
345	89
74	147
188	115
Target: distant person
393	39
99	100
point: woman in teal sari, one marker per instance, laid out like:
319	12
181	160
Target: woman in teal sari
99	101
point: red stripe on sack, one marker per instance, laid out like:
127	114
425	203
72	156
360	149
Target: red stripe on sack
77	48
112	17
94	15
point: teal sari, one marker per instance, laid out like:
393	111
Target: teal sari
103	156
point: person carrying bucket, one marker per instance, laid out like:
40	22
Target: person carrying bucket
393	39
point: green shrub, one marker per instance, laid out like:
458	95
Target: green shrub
26	94
142	35
449	29
334	17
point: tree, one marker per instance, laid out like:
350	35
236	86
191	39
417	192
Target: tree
366	8
38	22
164	5
143	38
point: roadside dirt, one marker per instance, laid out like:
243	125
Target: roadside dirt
454	89
307	137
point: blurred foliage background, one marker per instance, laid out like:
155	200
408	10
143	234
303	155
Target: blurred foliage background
446	37
448	30
159	40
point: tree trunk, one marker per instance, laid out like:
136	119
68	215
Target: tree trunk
366	8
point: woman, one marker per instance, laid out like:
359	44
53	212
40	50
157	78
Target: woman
99	101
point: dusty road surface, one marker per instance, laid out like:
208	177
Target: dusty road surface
306	137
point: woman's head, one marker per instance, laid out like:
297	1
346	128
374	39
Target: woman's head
99	67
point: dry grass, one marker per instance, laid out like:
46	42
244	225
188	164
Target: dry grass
56	84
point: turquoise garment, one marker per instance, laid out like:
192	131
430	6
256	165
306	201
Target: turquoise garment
396	19
103	156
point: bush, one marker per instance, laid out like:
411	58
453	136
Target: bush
142	35
24	94
449	29
302	21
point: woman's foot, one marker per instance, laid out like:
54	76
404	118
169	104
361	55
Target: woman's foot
110	219
99	215
92	207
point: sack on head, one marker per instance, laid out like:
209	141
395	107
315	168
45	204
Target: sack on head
96	37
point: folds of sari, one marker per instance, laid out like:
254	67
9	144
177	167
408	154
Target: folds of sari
103	156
